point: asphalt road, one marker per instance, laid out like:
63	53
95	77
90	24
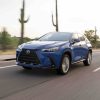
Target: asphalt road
81	83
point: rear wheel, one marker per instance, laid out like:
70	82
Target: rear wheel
88	61
65	65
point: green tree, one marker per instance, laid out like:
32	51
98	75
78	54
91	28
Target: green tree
89	34
93	38
15	42
5	39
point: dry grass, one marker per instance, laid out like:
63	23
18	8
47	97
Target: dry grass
8	52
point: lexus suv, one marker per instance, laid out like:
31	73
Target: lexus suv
55	50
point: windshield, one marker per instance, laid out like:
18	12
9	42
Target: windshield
59	36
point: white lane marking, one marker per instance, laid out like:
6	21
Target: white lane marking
7	66
97	69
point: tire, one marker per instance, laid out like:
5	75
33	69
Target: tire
65	65
27	68
88	61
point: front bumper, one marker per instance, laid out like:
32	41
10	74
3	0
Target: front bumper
46	60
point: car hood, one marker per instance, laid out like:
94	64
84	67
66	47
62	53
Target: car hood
43	44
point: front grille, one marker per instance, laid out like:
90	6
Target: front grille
28	56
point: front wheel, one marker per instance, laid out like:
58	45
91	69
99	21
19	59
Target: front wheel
65	65
88	61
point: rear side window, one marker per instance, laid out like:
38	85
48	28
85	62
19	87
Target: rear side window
86	39
81	37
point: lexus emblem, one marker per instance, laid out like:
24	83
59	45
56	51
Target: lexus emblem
27	52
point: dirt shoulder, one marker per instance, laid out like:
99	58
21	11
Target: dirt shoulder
8	52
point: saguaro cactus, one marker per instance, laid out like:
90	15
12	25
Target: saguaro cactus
22	21
56	24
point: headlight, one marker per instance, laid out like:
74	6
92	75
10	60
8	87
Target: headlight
51	49
20	47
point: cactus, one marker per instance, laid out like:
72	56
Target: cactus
56	25
22	21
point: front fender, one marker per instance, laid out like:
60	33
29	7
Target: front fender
67	51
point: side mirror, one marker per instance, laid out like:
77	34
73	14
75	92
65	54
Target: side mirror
75	41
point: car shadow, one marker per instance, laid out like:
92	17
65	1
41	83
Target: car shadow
47	72
77	66
38	72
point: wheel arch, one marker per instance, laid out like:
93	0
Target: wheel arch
69	54
90	50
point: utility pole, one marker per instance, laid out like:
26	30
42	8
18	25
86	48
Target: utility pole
56	24
95	36
22	21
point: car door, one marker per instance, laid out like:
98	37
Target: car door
76	48
83	46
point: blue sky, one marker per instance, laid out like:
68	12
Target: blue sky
74	16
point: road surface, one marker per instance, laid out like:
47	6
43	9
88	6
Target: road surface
81	83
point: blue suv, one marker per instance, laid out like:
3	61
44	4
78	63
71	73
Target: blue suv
55	50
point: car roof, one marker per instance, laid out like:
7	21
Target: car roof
62	32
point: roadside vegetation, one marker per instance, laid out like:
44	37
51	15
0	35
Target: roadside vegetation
7	52
93	38
8	44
